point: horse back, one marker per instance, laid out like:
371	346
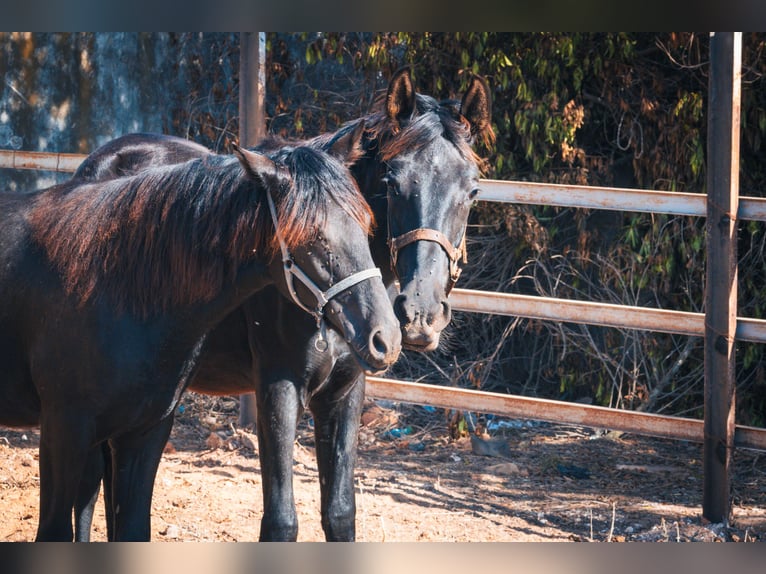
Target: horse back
131	153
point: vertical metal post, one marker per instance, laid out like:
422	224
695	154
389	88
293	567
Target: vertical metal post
252	88
721	273
252	128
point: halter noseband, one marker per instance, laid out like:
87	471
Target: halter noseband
292	271
454	254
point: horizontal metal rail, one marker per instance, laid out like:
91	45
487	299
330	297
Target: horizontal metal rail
62	162
592	313
611	198
553	411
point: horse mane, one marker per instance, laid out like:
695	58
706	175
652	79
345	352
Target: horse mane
318	178
176	235
388	139
432	120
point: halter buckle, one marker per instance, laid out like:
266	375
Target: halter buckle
320	342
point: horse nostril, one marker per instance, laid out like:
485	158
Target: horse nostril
378	344
447	310
400	309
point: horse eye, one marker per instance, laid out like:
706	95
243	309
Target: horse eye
391	185
474	192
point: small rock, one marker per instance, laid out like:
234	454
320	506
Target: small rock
489	447
213	441
507	468
248	440
573	471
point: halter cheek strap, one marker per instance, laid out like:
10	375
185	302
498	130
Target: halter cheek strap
322	297
454	254
292	272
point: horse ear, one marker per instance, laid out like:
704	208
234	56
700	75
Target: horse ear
257	165
476	107
348	147
400	99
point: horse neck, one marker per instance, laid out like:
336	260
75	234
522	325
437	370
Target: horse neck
251	278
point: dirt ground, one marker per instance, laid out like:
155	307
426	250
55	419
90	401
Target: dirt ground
520	481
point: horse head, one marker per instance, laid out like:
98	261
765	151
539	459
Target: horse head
429	176
322	236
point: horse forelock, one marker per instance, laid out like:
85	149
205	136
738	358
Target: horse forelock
317	179
431	121
171	235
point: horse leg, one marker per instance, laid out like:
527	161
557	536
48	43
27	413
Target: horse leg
135	459
87	495
278	410
336	429
63	454
106	456
98	468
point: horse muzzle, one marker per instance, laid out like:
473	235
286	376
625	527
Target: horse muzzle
421	327
373	336
382	350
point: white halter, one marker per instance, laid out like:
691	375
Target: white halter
292	271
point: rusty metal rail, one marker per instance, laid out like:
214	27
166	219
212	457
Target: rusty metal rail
61	162
553	411
592	313
611	198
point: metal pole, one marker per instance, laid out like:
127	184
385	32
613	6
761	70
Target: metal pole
252	128
721	272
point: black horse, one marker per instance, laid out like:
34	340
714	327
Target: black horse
420	175
108	290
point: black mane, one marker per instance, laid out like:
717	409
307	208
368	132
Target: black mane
432	120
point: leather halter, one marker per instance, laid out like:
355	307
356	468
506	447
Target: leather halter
292	272
454	254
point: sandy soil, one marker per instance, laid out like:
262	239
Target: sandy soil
523	481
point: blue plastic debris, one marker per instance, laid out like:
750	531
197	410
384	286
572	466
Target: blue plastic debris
494	424
396	433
